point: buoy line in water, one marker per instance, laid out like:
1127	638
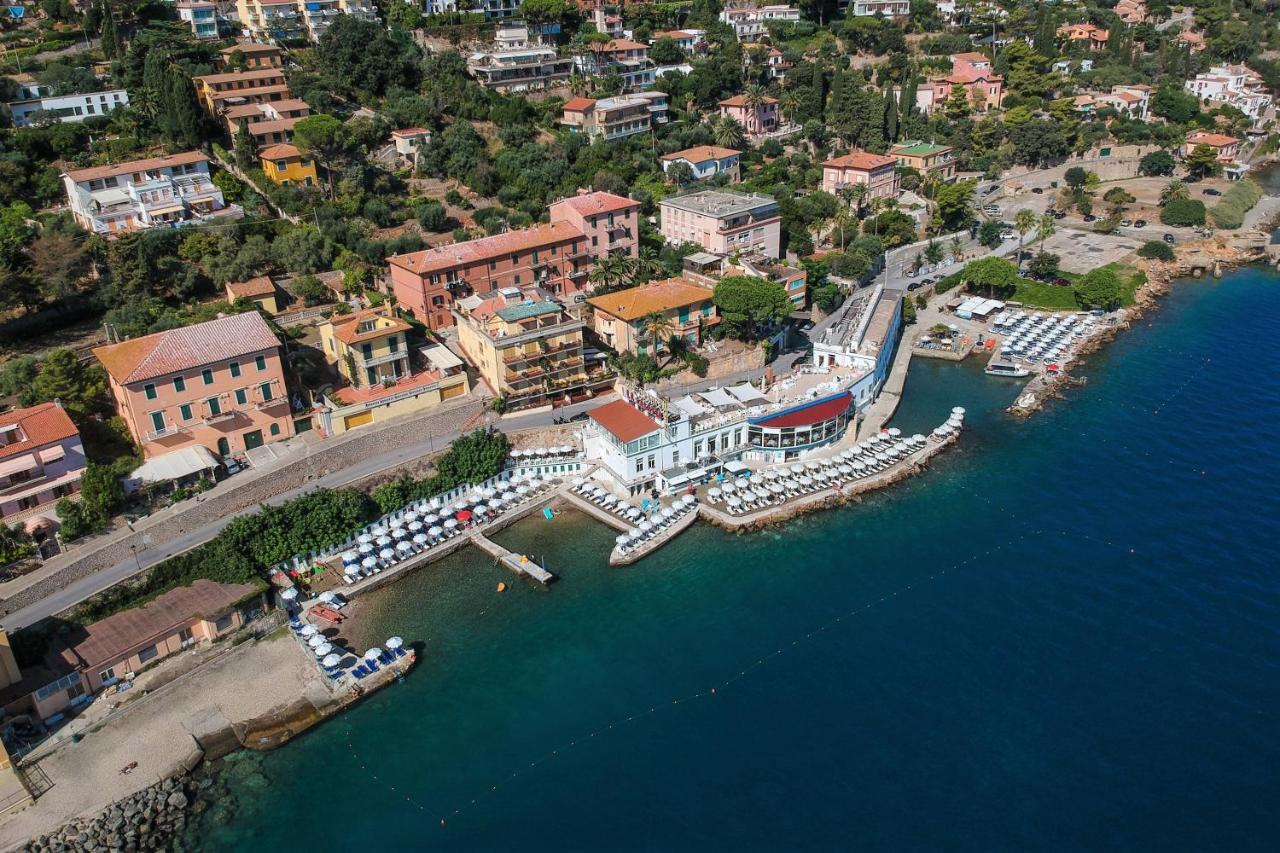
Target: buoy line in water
710	692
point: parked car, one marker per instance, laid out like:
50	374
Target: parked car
1170	239
1139	223
1125	223
1008	235
989	190
580	416
1037	190
1059	214
1211	191
916	285
991	210
1061	282
1089	217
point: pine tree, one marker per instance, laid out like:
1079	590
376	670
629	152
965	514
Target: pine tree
177	119
111	47
245	150
890	115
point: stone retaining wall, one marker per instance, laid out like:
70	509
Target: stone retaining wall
147	820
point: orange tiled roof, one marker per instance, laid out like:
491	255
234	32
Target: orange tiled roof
485	248
93	173
246	76
636	302
577	105
258	286
863	160
701	154
1217	140
972	57
593	203
345	327
625	421
283	151
41	425
178	350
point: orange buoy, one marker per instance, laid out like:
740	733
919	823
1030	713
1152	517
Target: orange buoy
502	587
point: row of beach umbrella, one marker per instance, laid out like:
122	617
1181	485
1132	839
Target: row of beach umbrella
657	520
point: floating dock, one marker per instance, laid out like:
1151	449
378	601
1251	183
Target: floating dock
518	563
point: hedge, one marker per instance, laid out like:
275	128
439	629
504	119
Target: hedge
1183	212
1156	250
1235	203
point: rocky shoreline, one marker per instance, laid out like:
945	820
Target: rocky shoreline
1211	257
151	819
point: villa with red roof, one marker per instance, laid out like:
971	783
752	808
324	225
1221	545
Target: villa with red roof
877	172
41	460
1226	147
971	71
219	385
756	119
1095	37
556	256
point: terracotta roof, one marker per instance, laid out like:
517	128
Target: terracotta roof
347	396
972	57
577	105
232	94
123	633
863	160
808	413
485	248
636	302
623	420
410	131
741	101
189	347
169	160
283	151
258	286
621	44
1127	97
345	328
593	203
1217	140
701	154
41	425
232	76
675	35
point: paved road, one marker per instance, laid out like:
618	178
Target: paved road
87	587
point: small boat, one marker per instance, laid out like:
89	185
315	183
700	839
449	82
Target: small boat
327	614
1006	368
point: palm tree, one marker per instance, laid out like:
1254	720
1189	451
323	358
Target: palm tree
728	133
1173	191
957	247
656	327
753	96
677	347
788	103
608	273
1023	222
853	194
1046	229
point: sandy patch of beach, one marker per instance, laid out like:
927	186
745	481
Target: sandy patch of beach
156	731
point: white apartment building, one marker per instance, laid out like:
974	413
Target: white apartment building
723	222
1235	85
169	190
883	8
35	99
529	69
750	24
295	19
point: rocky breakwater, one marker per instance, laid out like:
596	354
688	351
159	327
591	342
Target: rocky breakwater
148	820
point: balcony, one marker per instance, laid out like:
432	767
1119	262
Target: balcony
263	405
221	417
514	356
377	360
168	432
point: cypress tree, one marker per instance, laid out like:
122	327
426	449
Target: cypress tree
245	150
890	115
111	47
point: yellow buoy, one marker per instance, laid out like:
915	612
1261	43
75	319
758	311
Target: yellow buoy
502	587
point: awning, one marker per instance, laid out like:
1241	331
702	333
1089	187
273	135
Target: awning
718	397
174	465
160	211
736	468
26	462
748	393
441	358
690	406
53	454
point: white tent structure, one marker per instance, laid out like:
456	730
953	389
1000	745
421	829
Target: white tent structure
718	397
748	393
171	466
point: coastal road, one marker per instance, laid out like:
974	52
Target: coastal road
86	587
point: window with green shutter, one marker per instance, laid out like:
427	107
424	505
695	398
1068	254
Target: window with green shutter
241	397
150	391
207	375
234	367
185	411
179	384
261	362
265	388
157	421
215	407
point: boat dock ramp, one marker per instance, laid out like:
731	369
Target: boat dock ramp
521	564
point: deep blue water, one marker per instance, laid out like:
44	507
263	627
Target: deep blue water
1064	635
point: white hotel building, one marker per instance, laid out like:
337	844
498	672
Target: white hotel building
36	99
159	191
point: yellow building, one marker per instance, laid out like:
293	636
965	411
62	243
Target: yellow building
260	290
370	350
526	347
622	318
285	165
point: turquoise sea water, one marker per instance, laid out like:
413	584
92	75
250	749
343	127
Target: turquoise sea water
1064	635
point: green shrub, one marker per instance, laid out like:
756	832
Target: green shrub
1156	250
1183	212
1235	203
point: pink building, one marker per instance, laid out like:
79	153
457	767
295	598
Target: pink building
723	222
218	384
877	172
756	120
973	72
611	223
41	460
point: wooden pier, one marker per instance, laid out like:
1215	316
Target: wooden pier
520	564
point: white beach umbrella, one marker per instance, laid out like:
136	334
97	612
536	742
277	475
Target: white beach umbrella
327	597
450	523
387	554
421	539
522	490
776	488
645	526
380	530
316	640
331	661
366	547
364	538
373	654
289	594
394	643
396	523
797	469
383	541
742	483
957	410
713	492
621	539
479	509
894	432
729	488
324	650
508	496
633	512
350	556
415	526
435	531
404	546
369	562
308	631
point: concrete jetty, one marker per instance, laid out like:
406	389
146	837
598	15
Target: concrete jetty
653	543
599	513
521	564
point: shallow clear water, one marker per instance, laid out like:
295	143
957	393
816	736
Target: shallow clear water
1066	633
